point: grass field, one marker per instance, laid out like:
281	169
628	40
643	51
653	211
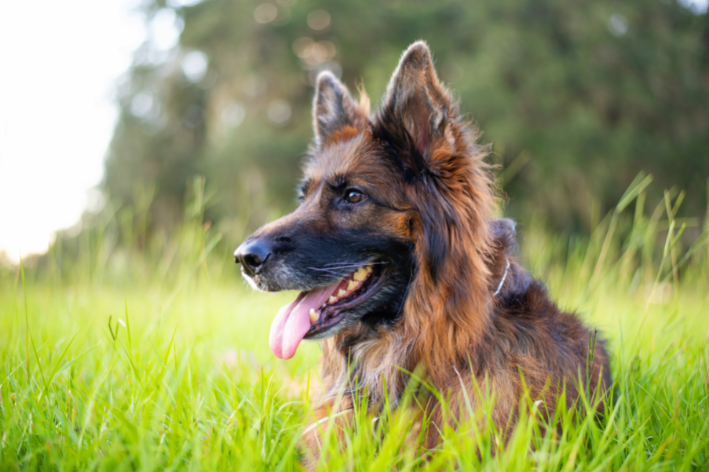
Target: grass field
159	360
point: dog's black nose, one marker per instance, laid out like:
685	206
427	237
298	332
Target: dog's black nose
252	255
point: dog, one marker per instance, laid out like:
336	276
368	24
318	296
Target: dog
401	265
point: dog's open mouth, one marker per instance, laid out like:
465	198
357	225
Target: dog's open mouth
315	312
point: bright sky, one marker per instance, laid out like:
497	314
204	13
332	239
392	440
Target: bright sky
59	61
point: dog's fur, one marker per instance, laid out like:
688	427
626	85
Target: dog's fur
428	218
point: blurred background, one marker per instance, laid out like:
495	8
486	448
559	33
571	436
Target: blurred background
142	140
203	107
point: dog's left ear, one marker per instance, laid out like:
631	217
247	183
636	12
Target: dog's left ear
417	100
334	109
416	113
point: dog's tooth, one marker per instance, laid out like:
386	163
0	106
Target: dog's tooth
368	269
341	293
313	315
360	274
332	299
352	285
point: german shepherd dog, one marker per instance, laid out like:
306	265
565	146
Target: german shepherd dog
401	265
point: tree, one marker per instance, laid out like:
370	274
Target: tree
576	97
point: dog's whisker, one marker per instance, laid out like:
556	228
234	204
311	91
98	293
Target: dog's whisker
356	263
337	268
346	265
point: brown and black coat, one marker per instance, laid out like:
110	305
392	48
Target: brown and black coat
468	312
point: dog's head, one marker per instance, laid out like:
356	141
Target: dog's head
380	207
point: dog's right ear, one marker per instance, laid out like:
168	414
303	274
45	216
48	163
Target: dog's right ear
417	105
334	109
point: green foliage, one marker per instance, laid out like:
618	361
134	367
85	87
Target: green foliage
577	97
156	359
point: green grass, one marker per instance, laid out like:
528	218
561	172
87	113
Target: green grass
183	378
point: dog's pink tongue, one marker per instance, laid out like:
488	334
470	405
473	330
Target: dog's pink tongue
293	321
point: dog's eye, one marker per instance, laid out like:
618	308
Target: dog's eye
353	196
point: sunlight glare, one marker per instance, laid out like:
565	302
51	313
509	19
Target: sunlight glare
57	111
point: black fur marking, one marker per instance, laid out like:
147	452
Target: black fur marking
436	241
302	190
399	146
305	259
338	182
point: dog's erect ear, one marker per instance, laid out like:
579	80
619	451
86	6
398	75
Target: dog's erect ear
417	100
333	108
417	109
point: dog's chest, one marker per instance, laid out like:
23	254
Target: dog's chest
374	366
